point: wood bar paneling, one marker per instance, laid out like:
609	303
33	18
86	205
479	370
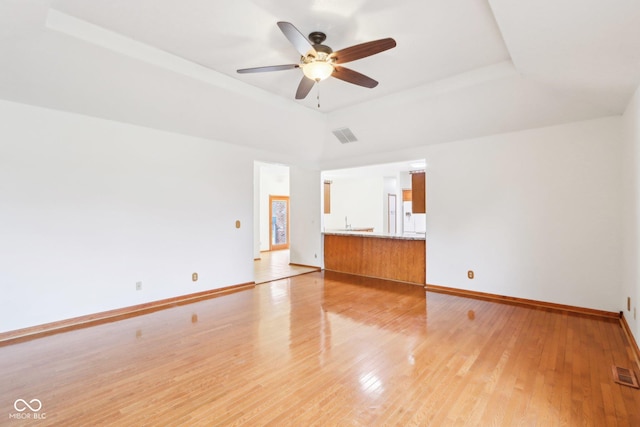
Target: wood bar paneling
385	258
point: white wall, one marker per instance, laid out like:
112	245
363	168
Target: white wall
89	207
360	199
631	215
306	240
536	214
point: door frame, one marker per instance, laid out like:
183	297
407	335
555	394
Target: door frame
273	247
393	203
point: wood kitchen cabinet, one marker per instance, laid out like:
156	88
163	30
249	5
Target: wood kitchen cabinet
418	192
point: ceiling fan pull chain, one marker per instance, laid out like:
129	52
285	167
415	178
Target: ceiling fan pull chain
318	95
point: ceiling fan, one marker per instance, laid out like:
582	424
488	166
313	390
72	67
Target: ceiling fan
319	62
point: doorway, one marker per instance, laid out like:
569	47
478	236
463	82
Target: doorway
279	222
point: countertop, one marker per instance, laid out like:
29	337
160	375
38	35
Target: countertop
354	232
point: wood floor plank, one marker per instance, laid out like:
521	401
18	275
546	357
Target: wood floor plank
328	349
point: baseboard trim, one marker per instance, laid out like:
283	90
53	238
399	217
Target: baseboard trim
46	329
632	342
521	301
315	267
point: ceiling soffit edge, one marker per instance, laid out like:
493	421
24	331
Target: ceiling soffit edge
104	38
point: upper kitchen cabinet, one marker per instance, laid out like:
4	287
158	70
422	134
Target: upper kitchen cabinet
418	192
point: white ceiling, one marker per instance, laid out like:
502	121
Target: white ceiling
461	68
435	39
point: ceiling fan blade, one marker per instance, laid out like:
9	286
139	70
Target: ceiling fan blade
300	42
362	50
304	87
354	77
268	68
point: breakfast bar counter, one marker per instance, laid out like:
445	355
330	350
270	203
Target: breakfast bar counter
400	257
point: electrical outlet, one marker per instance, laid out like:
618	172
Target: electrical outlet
194	277
138	286
470	274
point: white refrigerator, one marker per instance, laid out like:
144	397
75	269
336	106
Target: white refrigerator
413	223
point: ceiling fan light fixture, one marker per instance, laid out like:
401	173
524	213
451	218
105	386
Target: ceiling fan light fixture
317	70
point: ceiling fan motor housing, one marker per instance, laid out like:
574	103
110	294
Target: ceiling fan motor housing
317	37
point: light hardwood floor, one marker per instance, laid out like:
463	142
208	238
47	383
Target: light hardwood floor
274	265
328	349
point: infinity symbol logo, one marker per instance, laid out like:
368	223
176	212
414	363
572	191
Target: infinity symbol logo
25	405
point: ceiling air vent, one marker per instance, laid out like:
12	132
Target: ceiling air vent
344	135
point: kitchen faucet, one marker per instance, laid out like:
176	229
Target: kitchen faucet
346	223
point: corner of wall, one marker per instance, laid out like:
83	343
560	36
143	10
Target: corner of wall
631	214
